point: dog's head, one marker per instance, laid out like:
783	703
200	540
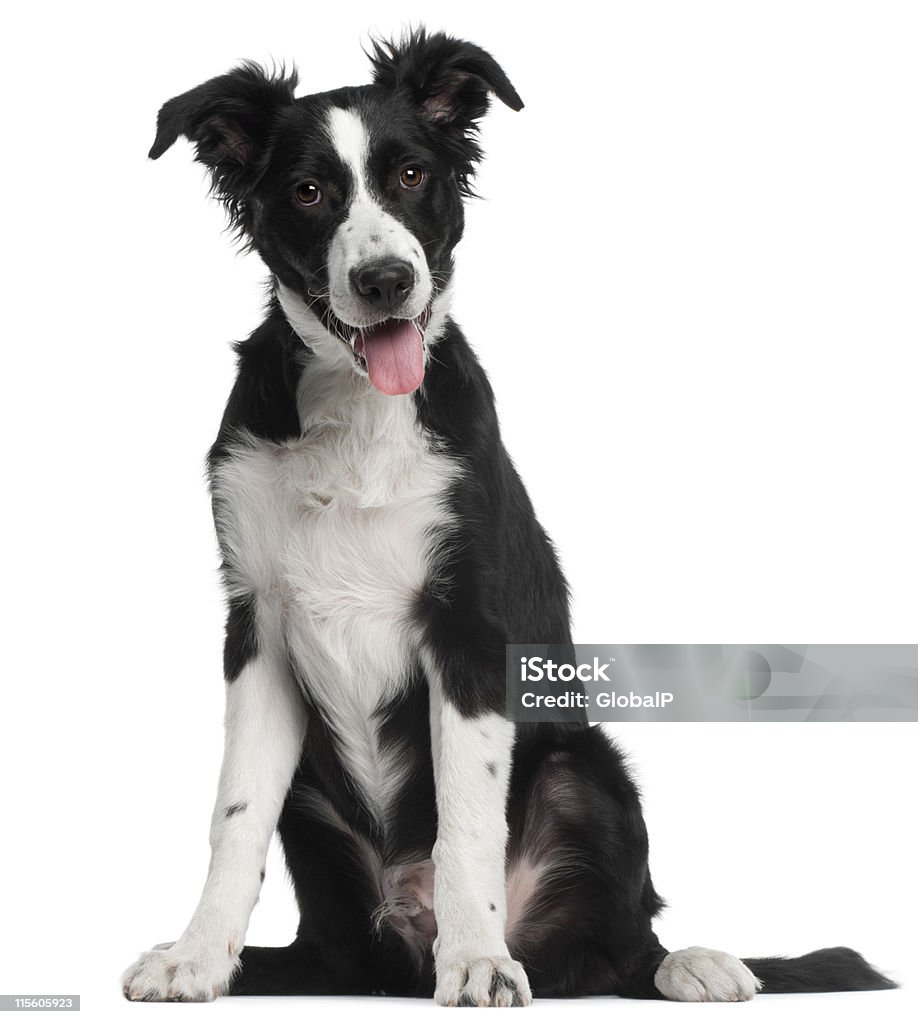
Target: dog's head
353	198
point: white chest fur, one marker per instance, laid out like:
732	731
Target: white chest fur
335	533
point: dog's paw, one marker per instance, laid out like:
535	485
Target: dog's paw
489	981
178	972
698	975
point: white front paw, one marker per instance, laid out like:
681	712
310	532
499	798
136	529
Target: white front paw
181	972
486	981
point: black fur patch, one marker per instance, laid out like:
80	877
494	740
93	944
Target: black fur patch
241	643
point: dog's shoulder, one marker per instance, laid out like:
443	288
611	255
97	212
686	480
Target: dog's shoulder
262	403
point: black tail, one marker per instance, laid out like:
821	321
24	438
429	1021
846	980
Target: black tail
826	970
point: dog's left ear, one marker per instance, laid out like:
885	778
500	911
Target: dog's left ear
448	79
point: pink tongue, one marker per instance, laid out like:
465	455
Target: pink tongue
394	352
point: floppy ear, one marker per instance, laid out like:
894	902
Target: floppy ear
229	120
448	79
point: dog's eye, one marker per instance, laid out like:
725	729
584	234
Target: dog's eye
308	194
411	177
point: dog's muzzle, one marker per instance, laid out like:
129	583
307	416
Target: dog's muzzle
389	347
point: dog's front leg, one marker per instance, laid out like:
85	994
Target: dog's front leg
265	723
472	759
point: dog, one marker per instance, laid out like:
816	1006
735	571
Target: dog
379	552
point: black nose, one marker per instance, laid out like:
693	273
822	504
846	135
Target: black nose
383	285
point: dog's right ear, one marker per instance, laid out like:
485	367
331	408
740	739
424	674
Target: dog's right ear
229	120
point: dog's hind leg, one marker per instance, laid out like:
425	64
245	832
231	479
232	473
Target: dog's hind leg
580	902
265	724
577	867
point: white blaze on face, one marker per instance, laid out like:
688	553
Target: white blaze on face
368	234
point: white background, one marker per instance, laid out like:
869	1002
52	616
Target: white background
692	282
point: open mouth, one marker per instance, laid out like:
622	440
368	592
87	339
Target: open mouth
390	352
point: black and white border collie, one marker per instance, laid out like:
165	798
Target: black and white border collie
379	551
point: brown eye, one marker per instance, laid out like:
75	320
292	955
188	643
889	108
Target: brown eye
411	177
308	194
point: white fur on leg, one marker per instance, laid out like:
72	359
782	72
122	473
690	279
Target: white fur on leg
698	975
265	724
472	772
